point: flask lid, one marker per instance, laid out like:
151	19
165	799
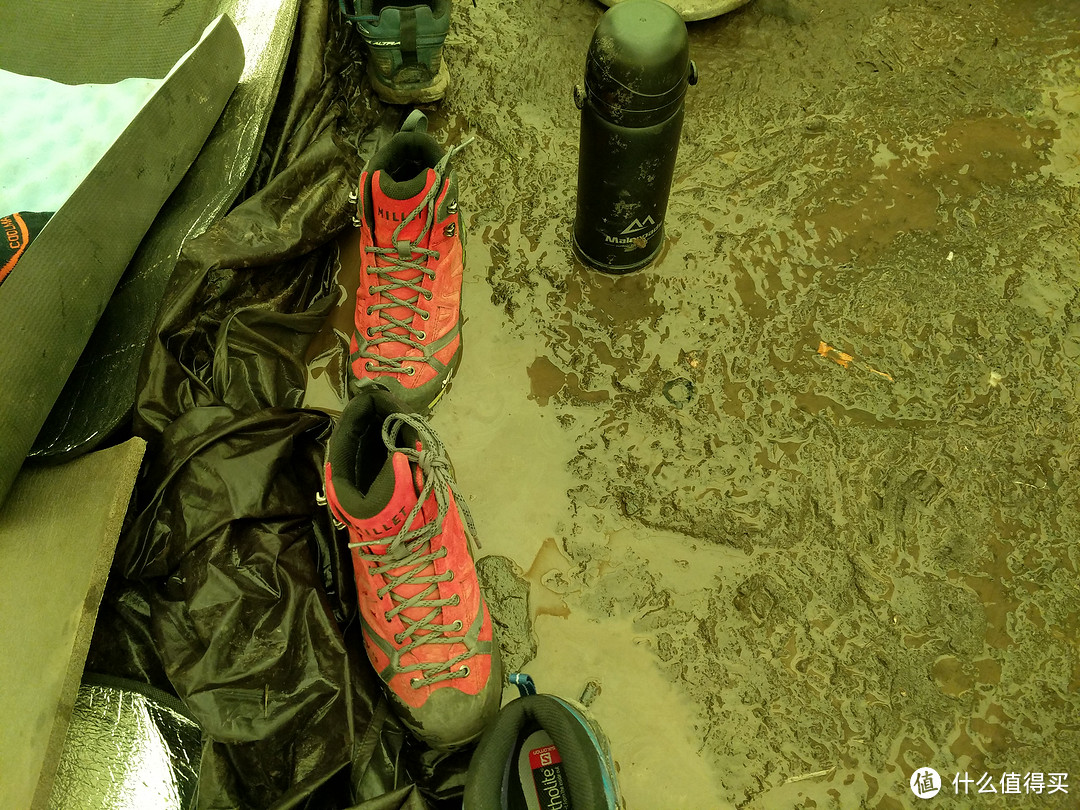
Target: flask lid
638	63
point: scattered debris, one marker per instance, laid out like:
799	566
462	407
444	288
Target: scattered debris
830	353
679	391
846	360
805	776
591	692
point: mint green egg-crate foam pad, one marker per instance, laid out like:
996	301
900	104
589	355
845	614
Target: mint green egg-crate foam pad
54	134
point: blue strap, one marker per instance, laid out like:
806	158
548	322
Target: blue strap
523	682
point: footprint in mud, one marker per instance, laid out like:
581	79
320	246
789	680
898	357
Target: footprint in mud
904	502
755	598
516	598
507	594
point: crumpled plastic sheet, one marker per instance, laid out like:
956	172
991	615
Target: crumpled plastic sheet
126	749
229	586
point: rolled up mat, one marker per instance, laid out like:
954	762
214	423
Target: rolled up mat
128	747
97	400
50	305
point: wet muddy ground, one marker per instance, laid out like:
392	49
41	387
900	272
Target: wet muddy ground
802	496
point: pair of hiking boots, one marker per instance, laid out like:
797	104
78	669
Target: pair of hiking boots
388	480
387	476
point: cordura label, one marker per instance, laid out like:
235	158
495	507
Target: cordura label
18	232
17	237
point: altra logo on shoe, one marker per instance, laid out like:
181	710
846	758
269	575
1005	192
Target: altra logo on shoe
548	778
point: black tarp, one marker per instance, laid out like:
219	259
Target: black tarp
229	586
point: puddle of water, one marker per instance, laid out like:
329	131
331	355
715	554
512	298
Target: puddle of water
917	190
637	707
510	457
547	380
550	579
826	574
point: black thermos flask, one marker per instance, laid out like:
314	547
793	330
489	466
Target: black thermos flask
636	74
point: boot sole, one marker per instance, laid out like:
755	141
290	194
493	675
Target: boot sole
420	94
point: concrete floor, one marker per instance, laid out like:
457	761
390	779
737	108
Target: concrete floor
802	495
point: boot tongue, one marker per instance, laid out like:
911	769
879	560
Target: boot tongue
409	481
393	202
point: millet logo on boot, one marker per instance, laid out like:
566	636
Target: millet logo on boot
395	521
390	524
393	216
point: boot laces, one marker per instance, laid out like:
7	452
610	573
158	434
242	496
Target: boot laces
405	255
409	552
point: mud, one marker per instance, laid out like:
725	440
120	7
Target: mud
802	496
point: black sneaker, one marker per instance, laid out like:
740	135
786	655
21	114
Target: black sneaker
404	41
542	753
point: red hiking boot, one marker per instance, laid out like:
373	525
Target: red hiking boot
408	303
426	627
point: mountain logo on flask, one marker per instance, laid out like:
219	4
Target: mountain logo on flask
639	225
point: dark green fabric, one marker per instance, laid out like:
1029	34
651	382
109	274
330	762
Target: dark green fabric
83	42
97	400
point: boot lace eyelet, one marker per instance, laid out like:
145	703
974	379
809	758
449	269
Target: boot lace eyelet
465	671
451	579
457	600
369	311
422	335
425	315
370	290
457	625
450	229
428	294
416	683
367	367
411	370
